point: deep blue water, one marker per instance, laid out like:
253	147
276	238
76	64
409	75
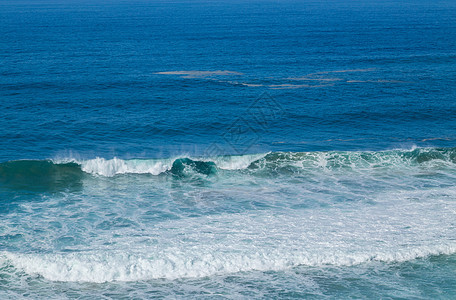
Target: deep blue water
230	149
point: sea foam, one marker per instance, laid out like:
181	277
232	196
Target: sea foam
116	166
117	266
394	231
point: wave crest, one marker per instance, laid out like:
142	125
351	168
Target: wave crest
46	172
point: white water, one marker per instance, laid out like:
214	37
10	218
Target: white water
116	166
395	230
356	161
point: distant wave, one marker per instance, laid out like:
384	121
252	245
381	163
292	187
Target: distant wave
195	74
314	80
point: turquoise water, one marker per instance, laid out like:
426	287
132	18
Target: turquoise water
312	224
257	149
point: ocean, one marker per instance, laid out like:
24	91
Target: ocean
227	149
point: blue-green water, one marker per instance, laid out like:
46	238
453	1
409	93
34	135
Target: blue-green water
248	149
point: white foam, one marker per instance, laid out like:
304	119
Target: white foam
115	166
391	215
116	266
236	162
395	231
357	161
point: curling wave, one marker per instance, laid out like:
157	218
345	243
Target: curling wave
43	171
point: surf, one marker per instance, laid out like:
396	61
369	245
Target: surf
59	169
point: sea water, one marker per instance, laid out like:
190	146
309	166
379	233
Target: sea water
227	149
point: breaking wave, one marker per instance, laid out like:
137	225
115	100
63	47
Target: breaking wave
43	171
106	267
